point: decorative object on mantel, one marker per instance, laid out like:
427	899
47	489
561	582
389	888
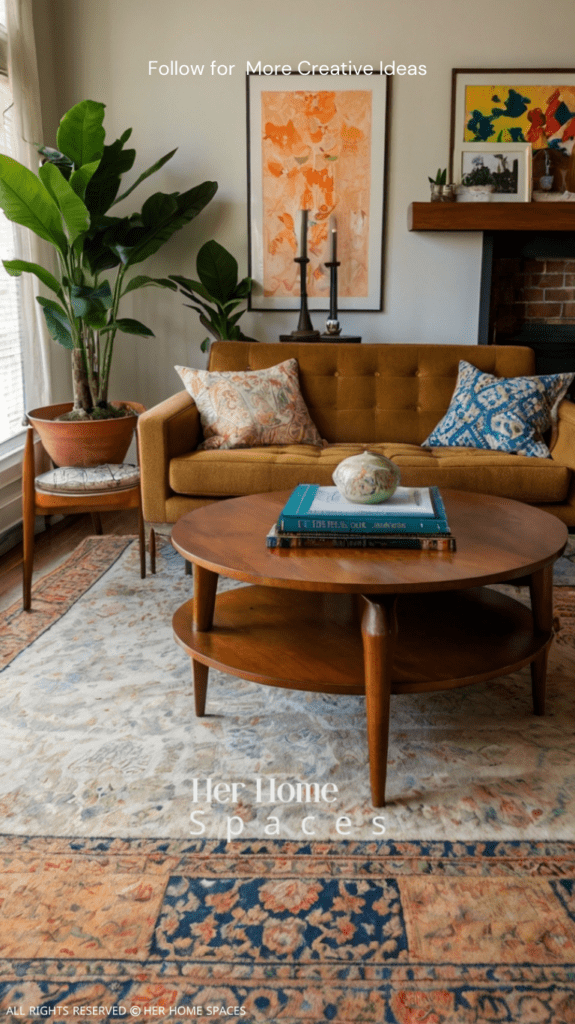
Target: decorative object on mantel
546	180
437	183
514	105
553	197
473	193
499	173
441	192
367	478
316	144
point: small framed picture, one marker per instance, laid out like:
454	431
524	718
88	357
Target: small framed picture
501	169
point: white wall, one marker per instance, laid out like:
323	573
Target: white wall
101	48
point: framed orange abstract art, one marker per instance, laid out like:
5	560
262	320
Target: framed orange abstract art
316	143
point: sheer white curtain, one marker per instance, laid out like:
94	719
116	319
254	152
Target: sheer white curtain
23	77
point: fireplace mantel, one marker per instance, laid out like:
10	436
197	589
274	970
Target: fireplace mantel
491	217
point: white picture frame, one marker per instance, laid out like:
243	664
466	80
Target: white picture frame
498	157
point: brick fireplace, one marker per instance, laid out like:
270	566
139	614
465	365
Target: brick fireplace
528	295
531	291
527	287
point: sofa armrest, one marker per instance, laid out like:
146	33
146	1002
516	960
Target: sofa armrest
563	450
168	429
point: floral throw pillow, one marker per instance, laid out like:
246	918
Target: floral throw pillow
250	408
508	414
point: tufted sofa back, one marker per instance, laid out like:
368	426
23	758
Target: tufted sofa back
369	393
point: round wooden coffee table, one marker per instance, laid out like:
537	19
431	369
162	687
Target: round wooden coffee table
369	621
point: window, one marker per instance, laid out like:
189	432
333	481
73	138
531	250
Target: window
11	376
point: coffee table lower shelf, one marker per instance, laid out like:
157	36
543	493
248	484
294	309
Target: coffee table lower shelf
341	643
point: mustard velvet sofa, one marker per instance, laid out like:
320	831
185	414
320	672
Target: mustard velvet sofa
385	397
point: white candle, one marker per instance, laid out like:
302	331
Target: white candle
333	229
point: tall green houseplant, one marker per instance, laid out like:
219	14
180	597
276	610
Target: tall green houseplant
68	204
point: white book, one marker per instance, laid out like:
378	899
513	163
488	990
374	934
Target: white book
405	501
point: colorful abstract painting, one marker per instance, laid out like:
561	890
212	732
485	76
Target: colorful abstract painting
541	115
320	150
533	107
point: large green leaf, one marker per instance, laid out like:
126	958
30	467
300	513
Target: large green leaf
96	251
75	214
129	326
146	174
26	201
81	134
103	188
17	267
189	204
217	270
145	282
57	322
81	178
91	304
244	288
191	288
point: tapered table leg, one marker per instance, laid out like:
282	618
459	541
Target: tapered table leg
541	590
379	632
200	677
205	586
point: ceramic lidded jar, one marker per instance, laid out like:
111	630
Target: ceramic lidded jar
367	478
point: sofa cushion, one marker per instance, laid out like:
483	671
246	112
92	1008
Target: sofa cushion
253	407
230	473
503	414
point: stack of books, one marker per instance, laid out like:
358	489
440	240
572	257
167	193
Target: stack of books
316	516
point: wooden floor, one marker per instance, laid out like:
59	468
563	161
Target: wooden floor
54	545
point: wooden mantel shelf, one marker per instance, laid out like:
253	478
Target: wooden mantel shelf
491	217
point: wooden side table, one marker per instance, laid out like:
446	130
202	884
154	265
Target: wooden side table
38	501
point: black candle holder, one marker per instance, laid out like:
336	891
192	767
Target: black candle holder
332	326
304	330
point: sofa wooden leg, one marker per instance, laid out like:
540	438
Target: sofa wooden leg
142	541
152	545
97	523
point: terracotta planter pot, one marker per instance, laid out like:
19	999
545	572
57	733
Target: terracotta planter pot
85	442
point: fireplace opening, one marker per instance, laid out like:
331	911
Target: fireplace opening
528	296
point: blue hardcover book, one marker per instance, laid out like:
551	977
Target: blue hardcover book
311	507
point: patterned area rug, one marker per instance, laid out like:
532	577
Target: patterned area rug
406	933
463	913
100	736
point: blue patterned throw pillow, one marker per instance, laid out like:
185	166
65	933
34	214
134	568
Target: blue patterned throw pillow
508	414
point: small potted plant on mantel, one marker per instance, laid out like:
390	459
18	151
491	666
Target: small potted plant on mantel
68	204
